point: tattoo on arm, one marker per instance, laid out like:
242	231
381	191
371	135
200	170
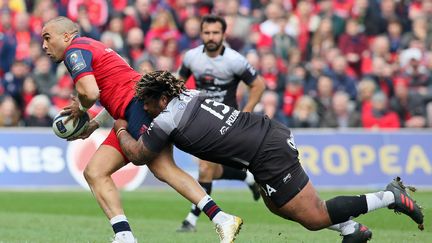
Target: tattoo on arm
135	150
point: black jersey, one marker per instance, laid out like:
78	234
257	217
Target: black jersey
208	130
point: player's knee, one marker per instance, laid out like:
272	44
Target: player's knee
157	172
93	174
90	175
205	172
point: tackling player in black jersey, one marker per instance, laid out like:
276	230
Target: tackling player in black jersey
216	132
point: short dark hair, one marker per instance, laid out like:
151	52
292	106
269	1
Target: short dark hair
214	19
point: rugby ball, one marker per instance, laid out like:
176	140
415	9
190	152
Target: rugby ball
68	130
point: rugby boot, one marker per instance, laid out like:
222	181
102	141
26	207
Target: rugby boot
186	227
361	234
229	230
404	203
255	188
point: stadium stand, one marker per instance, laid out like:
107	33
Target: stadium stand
377	53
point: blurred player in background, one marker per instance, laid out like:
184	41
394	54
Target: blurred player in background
217	71
213	131
101	74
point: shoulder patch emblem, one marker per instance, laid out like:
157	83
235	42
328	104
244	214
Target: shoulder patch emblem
76	61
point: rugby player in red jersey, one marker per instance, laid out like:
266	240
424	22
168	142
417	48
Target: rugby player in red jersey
101	74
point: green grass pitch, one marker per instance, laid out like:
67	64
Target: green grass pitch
59	217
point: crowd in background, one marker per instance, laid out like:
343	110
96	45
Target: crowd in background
326	63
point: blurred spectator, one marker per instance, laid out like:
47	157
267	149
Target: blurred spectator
134	44
366	89
322	39
283	43
414	71
162	27
315	69
341	81
324	94
341	114
269	105
10	115
326	10
35	53
409	106
23	36
273	13
29	90
86	26
353	44
113	36
138	15
7	42
44	78
152	52
305	113
13	80
144	66
38	112
303	22
96	11
419	32
63	89
394	35
382	76
293	91
274	79
240	25
191	36
380	48
165	63
380	116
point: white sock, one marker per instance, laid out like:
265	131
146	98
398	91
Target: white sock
203	202
344	228
192	218
221	218
250	180
126	236
118	218
379	199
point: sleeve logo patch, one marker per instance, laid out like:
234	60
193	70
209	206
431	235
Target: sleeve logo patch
76	61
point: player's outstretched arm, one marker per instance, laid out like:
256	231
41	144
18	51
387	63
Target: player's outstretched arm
134	150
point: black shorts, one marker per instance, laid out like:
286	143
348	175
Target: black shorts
276	166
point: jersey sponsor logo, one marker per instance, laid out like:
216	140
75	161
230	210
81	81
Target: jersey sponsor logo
76	61
78	155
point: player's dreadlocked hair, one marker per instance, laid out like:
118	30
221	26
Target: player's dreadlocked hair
157	83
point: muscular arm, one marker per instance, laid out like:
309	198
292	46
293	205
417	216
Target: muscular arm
88	90
135	150
256	88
